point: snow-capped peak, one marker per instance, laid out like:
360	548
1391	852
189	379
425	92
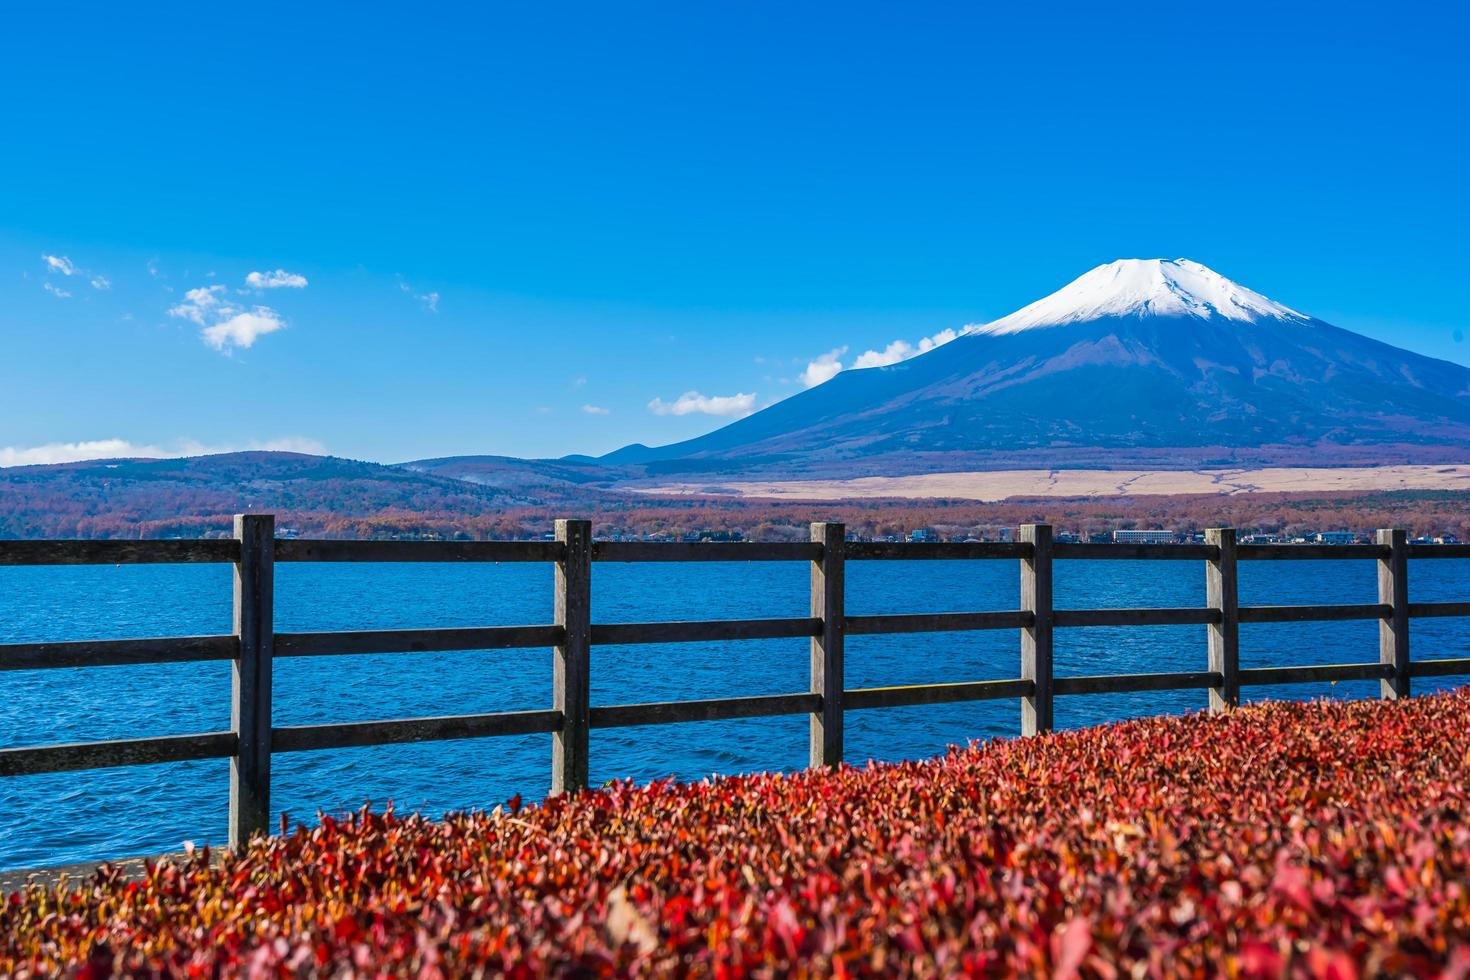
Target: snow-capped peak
1142	287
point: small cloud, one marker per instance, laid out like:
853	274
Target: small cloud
153	269
61	264
827	366
225	326
242	329
430	300
578	382
73	452
596	410
902	350
198	304
280	279
823	368
65	266
543	409
68	452
692	402
56	290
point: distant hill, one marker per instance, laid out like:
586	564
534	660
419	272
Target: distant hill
1138	362
553	477
318	495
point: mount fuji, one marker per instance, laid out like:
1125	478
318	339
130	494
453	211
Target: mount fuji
1152	362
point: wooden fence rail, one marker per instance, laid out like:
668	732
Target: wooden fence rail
254	645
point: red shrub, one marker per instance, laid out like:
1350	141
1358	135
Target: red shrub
1314	840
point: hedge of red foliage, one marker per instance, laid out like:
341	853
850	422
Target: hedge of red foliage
1324	840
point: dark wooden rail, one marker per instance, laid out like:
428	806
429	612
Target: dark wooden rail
254	645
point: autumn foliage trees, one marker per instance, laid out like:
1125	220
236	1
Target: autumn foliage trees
336	498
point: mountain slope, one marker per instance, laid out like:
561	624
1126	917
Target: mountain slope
1136	359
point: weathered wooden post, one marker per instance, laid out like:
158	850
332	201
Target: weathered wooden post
1036	639
250	680
826	652
572	669
1393	632
1222	590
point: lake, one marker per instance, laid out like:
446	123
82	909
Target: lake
65	817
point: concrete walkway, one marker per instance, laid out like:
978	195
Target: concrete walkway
75	873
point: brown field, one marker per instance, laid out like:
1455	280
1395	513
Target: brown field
1002	484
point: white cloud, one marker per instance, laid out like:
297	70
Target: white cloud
242	329
198	304
72	452
65	266
596	410
280	279
57	290
902	350
692	402
825	367
225	326
61	264
430	300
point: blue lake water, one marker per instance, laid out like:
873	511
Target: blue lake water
67	817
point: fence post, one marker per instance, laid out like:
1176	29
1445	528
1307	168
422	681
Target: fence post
571	678
1036	639
825	738
1222	590
250	679
1393	632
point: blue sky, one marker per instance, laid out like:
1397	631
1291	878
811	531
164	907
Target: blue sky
530	231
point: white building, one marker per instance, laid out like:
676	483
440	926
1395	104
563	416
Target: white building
1145	537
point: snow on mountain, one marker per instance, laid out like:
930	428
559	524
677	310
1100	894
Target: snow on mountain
1142	287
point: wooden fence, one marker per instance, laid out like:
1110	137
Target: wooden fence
254	645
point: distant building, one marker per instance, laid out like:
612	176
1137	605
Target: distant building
1447	539
1263	539
1335	537
923	534
1145	537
